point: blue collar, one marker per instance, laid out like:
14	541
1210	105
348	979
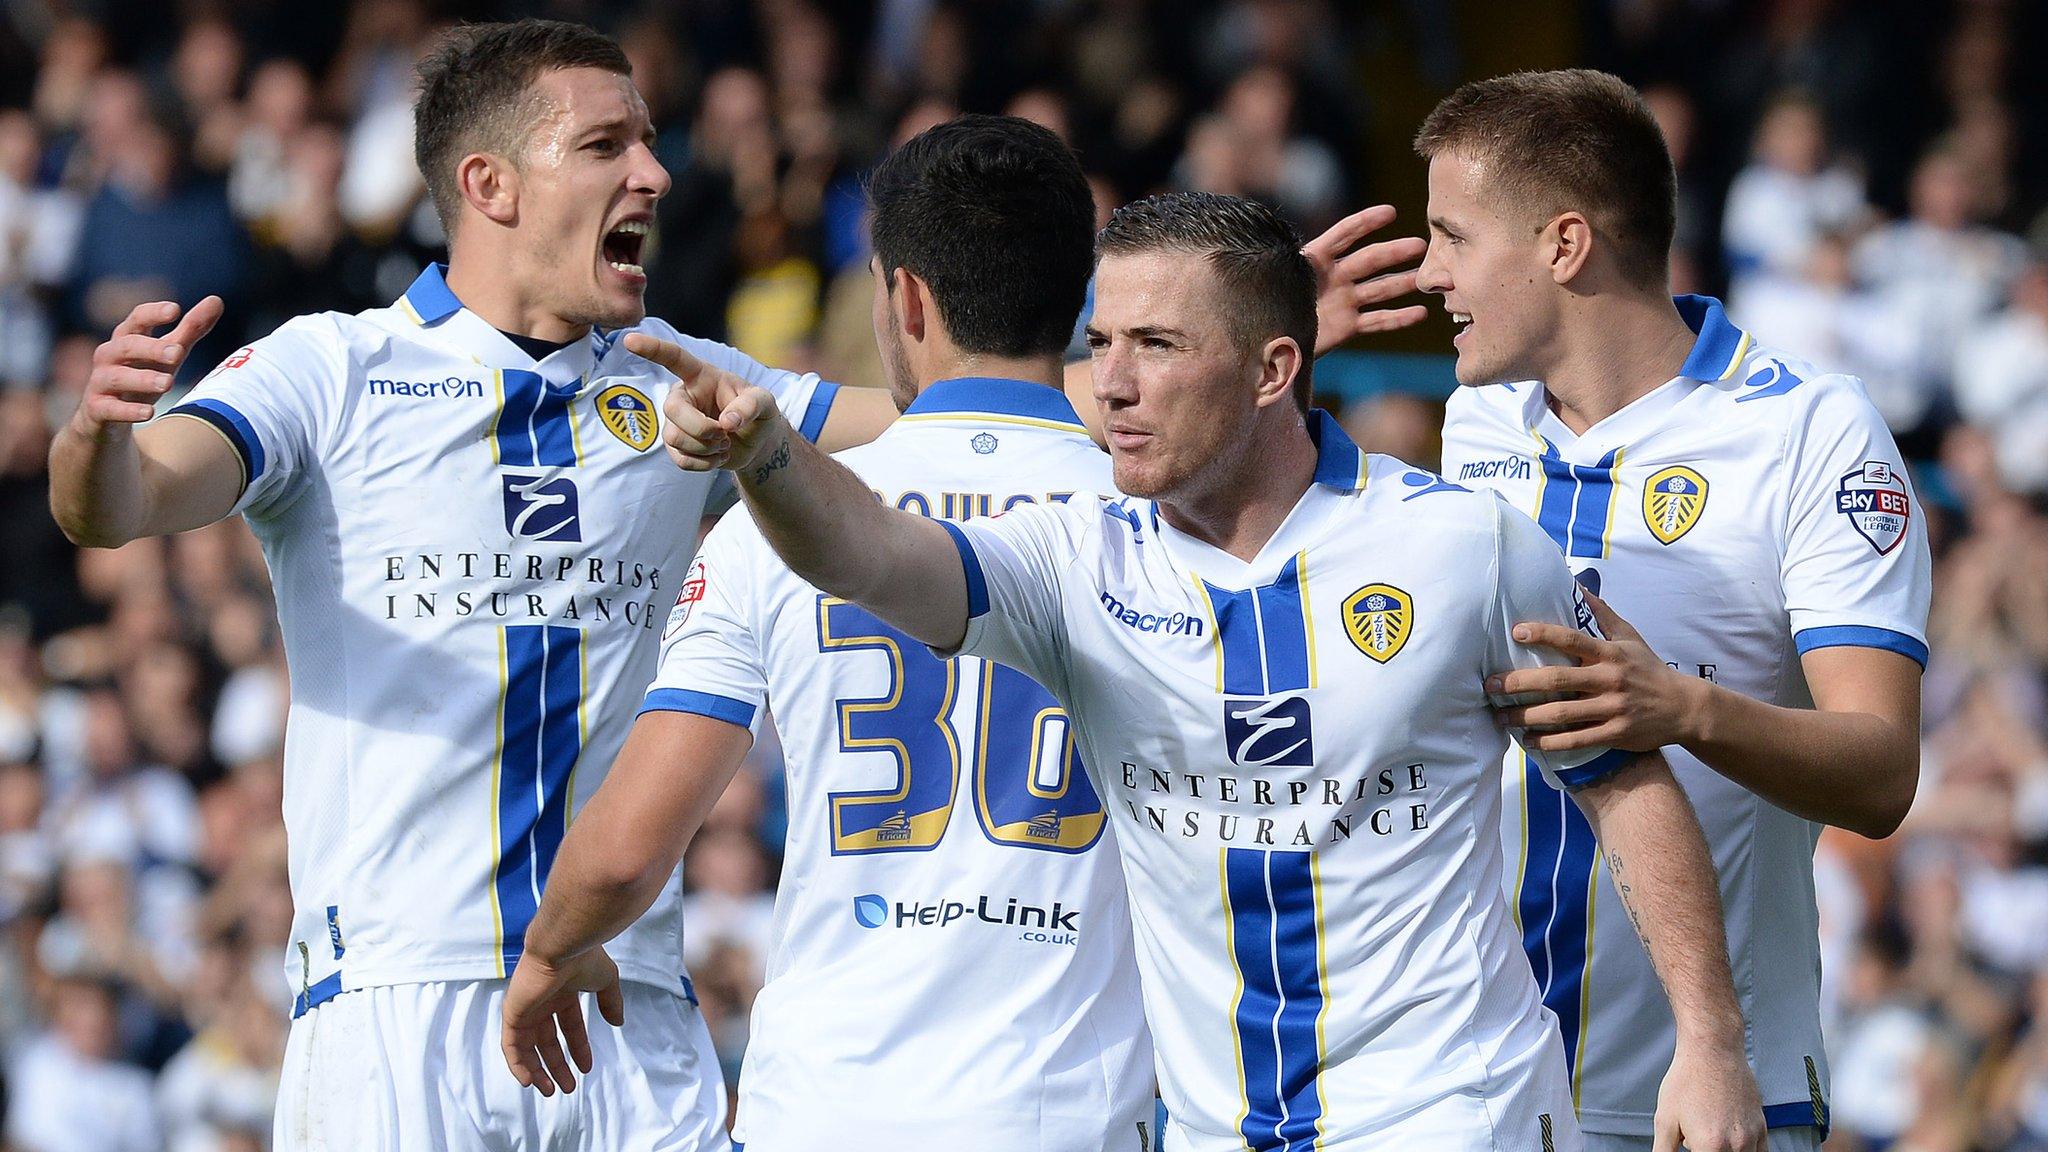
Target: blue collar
430	296
1720	347
1339	463
994	395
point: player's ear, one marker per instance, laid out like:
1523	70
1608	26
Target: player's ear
911	298
1569	243
491	186
1279	363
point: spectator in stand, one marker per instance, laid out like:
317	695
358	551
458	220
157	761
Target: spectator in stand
156	230
1941	267
70	1092
2001	381
1791	194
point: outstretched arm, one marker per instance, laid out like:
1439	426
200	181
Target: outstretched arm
619	852
111	482
1665	877
818	516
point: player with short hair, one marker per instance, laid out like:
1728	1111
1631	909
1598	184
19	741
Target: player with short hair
1749	513
1305	786
951	965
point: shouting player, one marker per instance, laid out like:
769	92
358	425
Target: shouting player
952	958
1749	513
473	540
1306	786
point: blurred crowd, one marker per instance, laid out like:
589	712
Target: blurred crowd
1862	180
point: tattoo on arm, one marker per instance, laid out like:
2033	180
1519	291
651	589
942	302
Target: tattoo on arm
776	459
1628	903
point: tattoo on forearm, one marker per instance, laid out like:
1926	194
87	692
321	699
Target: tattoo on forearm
1628	902
776	459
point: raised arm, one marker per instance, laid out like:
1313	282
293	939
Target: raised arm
111	482
823	521
620	850
1659	863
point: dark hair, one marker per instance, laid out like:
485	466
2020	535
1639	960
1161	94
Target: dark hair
1569	140
1254	251
476	93
994	214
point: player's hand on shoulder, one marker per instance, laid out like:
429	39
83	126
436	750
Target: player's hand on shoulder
1709	1102
544	1012
711	419
132	369
1617	694
1353	288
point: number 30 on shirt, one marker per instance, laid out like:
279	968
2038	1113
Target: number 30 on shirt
1030	789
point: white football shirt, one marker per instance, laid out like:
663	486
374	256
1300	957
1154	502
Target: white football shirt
1304	779
1749	510
952	962
472	554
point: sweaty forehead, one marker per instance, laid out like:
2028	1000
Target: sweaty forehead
579	98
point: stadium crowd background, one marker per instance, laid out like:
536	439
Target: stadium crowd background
1865	181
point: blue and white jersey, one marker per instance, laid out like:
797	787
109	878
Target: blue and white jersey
472	555
1304	779
1748	511
952	963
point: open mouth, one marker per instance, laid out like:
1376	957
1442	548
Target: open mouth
1462	321
622	246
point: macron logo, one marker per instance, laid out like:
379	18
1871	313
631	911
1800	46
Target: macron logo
1178	624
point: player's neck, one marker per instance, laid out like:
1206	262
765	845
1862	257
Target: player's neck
1044	370
502	300
1618	349
1238	510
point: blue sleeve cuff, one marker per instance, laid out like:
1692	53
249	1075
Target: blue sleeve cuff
1861	636
235	427
817	410
1592	771
710	704
977	584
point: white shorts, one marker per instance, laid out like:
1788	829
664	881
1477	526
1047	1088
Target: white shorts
418	1066
1805	1138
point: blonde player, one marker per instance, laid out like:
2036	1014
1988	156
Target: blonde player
1748	512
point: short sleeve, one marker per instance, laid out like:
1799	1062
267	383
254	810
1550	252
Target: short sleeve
805	399
711	654
1015	565
1856	568
270	402
1532	585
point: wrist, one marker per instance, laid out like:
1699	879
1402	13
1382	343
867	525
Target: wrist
1696	705
1715	1033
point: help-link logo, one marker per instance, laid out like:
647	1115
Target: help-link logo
1055	925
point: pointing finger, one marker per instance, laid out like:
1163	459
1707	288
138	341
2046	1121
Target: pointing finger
666	353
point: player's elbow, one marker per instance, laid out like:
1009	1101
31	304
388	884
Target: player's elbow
1890	798
87	531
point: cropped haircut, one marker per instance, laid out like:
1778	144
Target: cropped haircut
995	215
1255	253
1571	140
476	94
